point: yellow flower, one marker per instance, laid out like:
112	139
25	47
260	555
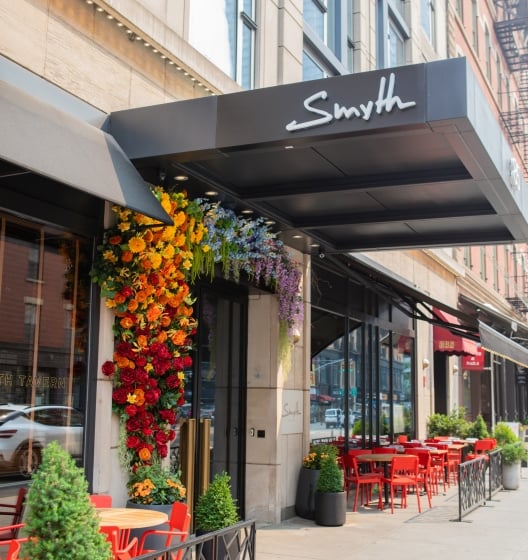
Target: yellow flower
123	226
168	252
168	233
109	256
181	375
187	264
155	259
137	244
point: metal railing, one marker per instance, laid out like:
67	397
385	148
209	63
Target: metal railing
236	542
494	472
471	485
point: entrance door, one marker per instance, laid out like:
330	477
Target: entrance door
216	390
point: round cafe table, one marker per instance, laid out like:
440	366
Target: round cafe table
129	518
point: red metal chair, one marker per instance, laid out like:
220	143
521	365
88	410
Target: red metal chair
101	500
119	552
425	471
13	550
364	481
12	516
404	475
481	448
178	525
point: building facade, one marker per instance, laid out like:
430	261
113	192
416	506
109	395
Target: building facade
188	94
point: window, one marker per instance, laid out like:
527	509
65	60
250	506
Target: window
488	53
225	32
428	20
396	46
499	79
311	69
474	23
460	9
43	341
315	15
350	36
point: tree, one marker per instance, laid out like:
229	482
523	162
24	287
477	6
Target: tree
61	523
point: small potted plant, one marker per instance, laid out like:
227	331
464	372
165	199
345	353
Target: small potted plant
330	498
61	523
308	476
216	509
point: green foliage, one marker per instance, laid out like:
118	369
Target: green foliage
216	508
504	434
330	476
513	453
316	454
453	424
478	428
61	522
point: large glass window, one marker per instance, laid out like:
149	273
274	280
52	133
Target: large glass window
396	46
428	19
225	32
44	291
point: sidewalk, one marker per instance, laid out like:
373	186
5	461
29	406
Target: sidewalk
498	531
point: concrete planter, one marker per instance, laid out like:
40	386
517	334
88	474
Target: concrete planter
330	508
305	496
511	476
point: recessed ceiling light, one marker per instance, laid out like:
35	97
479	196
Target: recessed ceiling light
297	236
211	193
314	245
181	178
109	16
247	211
269	222
289	147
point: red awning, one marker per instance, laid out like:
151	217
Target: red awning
446	341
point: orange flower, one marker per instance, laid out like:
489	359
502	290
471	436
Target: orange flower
119	298
121	361
132	305
141	296
165	321
149	236
162	336
153	313
139	395
144	454
178	338
127	256
115	240
142	341
126	322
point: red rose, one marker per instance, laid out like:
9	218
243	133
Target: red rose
132	442
119	395
108	368
172	381
152	396
131	410
126	291
162	450
140	360
153	279
187	361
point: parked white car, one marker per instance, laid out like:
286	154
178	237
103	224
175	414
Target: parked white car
334	418
25	427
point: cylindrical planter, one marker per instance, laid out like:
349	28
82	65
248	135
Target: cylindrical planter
152	542
305	496
511	476
330	508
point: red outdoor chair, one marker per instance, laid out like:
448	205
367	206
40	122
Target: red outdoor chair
362	482
101	500
13	550
178	525
11	516
119	552
403	475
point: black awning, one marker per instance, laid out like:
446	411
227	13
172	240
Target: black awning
42	139
495	342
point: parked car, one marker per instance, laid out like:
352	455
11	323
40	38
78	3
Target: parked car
25	430
334	418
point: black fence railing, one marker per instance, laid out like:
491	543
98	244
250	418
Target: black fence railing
471	486
236	542
494	472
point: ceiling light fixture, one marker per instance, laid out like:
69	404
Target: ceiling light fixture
211	193
181	178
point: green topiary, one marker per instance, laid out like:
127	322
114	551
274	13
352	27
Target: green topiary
330	476
61	522
216	508
514	452
504	434
478	429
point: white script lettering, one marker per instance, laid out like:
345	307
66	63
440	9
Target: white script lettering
386	101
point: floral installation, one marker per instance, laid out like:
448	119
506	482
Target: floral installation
153	484
144	270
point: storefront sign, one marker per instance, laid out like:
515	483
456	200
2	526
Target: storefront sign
385	102
474	363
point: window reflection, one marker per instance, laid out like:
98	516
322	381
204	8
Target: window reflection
44	302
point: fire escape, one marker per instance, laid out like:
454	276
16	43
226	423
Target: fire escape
511	30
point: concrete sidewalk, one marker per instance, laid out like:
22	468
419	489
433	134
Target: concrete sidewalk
498	531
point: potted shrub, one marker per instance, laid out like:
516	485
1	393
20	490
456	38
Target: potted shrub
154	487
216	509
330	498
512	455
308	476
61	522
